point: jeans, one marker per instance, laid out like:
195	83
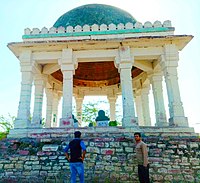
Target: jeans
143	173
77	168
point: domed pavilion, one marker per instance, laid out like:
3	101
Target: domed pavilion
102	50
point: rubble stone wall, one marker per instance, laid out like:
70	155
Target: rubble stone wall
174	157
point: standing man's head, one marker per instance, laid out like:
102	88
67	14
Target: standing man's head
137	136
77	134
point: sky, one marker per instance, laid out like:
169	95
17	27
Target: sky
16	15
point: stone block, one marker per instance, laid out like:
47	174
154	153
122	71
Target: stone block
8	166
50	147
93	149
99	144
114	144
108	151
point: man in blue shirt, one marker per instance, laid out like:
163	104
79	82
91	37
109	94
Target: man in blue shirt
77	154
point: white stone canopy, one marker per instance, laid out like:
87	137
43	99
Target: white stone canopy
151	49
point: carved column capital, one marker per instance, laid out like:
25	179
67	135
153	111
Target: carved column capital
170	56
68	61
124	59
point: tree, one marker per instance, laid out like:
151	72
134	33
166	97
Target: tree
91	107
90	110
5	125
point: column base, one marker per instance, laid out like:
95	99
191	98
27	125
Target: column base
36	122
130	122
20	123
162	124
180	121
36	125
18	133
66	122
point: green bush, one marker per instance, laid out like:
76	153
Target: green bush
3	135
113	123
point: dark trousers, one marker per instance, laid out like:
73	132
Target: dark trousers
143	173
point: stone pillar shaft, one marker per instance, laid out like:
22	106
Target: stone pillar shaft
169	63
49	107
145	106
156	81
138	103
79	102
67	93
124	64
56	100
112	102
68	65
129	118
23	116
38	101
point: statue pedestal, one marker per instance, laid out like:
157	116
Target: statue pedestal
103	123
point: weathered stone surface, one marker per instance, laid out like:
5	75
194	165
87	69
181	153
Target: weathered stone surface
109	157
50	147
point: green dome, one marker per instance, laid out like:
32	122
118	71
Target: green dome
94	14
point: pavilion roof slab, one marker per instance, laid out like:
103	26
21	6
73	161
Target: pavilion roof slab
134	42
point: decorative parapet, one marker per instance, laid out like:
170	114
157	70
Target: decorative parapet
102	29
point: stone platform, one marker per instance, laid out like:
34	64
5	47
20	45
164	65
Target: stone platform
62	132
38	157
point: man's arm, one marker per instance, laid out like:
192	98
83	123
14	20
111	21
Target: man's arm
145	154
83	154
84	150
67	156
66	152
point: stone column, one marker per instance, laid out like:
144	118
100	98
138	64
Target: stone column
124	64
40	82
66	120
79	102
27	70
49	107
56	100
112	102
169	64
138	104
145	105
160	114
68	69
